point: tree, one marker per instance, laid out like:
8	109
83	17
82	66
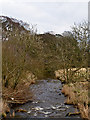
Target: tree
80	33
69	56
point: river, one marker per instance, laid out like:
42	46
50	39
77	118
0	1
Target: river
48	101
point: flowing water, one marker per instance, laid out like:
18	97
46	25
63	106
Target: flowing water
48	101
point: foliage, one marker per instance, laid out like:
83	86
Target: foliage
42	54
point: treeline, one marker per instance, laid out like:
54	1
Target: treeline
25	50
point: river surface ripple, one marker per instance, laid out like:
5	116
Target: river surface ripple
48	101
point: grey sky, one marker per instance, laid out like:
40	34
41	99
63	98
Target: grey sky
47	16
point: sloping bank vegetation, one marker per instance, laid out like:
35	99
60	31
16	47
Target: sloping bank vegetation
28	56
76	79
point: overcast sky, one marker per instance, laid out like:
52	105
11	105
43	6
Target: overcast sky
54	15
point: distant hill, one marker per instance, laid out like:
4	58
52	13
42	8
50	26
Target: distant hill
12	24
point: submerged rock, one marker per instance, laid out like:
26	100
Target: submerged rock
53	107
29	112
61	109
35	102
35	114
21	110
38	108
46	113
47	108
71	114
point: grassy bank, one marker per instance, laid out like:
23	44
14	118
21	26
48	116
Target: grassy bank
20	95
77	94
76	90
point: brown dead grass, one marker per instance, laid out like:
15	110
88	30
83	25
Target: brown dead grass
78	95
5	107
20	94
79	74
77	89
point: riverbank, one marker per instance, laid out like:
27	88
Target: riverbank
76	92
20	95
48	102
